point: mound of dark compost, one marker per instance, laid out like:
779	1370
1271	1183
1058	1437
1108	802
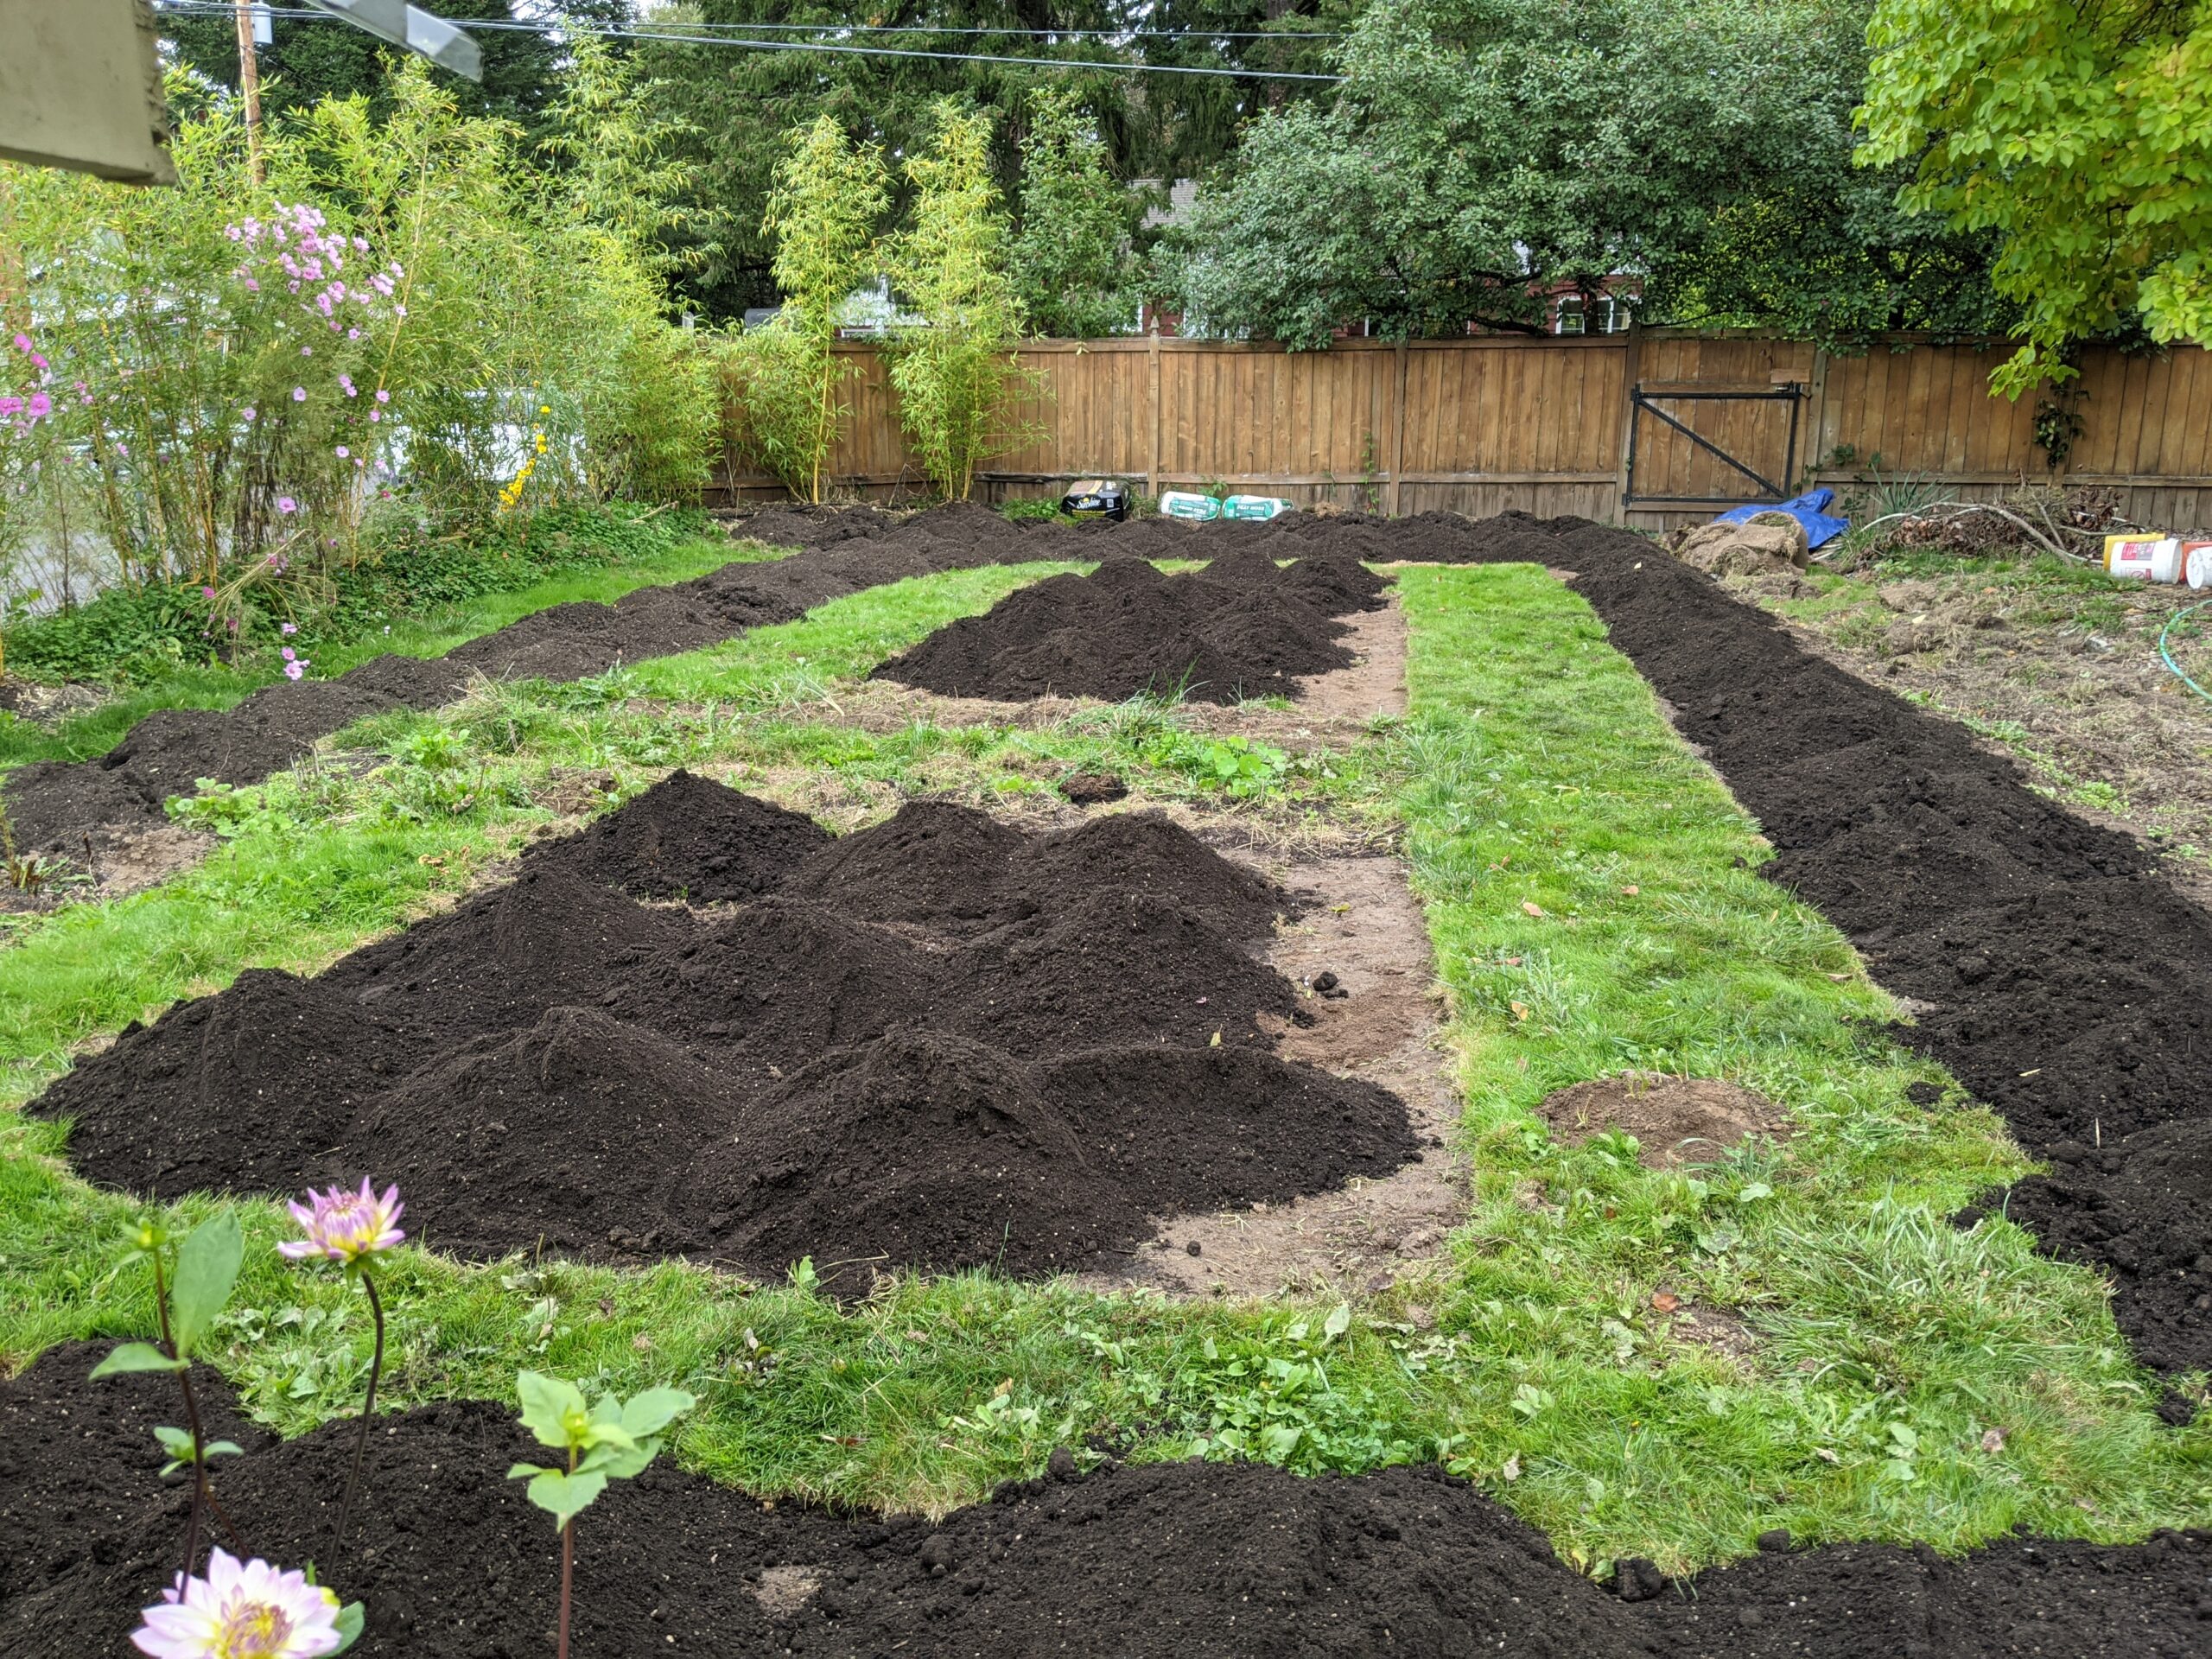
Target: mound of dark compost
2048	965
1047	1042
688	838
450	1562
1239	628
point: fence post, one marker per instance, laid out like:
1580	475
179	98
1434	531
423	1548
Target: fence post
1151	461
1633	349
1390	496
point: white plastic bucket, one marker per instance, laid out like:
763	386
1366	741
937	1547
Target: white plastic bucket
2135	556
2197	568
2166	562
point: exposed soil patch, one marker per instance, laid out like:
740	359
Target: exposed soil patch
1166	1559
940	1042
1240	628
1361	937
2070	677
1675	1121
2051	966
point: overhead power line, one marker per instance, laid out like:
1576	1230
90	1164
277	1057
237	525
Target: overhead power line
666	35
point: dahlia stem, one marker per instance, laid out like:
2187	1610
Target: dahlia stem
199	1493
368	1407
568	1567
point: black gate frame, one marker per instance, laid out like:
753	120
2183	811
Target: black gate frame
1639	400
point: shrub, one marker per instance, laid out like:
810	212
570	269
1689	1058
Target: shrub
953	370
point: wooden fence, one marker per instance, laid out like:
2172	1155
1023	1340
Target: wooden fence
1651	427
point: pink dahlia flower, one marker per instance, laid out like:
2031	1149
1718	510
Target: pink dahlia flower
345	1226
241	1610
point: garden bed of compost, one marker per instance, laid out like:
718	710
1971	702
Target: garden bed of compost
81	809
938	1043
1238	629
451	1562
2046	962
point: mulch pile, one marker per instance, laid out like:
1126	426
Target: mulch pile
58	806
1241	627
2052	970
1167	1560
937	1043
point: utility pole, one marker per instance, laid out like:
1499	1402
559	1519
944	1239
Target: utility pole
249	85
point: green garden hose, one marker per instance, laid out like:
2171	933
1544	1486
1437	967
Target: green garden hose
2168	655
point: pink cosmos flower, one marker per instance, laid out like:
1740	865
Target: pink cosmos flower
23	342
343	452
252	285
39	406
11	407
299	394
241	1610
374	417
288	655
382	396
206	593
345	1226
288	628
39	362
251	413
286	505
294	670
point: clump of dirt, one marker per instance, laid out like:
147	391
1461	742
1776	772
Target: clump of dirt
553	1062
1675	1121
241	1089
2049	966
1166	1559
2138	1211
687	837
1239	629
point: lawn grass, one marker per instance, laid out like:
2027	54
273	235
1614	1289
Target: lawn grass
431	632
1904	1380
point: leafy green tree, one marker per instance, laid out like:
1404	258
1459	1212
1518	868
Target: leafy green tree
951	369
2079	134
1158	126
1071	260
826	199
1481	153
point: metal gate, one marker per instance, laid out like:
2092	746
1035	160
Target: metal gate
1747	450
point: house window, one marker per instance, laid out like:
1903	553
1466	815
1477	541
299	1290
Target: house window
1602	315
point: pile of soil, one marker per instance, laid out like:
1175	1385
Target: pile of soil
687	838
1239	628
450	1562
2048	965
938	1043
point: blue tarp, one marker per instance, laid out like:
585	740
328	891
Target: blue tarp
1821	528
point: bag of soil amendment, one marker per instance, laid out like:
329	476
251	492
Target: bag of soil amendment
1096	498
1256	506
1183	504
